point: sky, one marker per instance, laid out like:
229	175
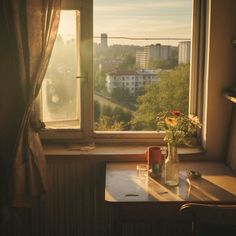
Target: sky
139	18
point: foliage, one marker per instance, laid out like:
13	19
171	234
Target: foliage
174	89
108	124
169	93
108	118
107	110
117	51
178	127
97	110
128	63
123	116
148	107
170	63
100	81
162	64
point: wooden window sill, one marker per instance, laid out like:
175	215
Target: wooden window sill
135	152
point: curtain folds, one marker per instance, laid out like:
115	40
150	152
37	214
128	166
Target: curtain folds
31	28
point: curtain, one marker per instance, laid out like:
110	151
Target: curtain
28	32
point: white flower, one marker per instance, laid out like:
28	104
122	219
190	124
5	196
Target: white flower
195	120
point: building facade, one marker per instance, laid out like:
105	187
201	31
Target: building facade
184	52
141	59
134	81
152	52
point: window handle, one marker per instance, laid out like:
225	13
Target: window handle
84	78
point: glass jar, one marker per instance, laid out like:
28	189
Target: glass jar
172	166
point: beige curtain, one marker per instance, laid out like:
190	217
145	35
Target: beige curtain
30	32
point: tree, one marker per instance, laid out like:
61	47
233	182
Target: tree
128	63
107	123
100	81
174	87
163	64
97	110
107	111
123	116
148	107
110	118
170	93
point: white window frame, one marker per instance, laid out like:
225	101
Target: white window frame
86	133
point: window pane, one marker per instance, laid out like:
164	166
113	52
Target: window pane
60	89
141	61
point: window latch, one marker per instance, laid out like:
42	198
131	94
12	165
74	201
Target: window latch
83	78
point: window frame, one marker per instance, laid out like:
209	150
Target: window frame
86	134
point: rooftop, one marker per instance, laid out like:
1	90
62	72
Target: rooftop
133	72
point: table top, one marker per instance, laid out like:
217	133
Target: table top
217	184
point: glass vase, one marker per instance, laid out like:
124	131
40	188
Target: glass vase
172	166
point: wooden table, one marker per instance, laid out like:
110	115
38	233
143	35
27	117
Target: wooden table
135	199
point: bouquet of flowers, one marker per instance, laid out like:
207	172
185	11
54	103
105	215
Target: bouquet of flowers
178	127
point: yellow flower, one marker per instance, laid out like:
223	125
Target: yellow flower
171	121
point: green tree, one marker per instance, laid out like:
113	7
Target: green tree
107	123
122	115
107	111
148	107
97	110
162	64
111	118
174	89
128	63
100	81
170	93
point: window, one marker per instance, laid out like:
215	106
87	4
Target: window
79	88
60	88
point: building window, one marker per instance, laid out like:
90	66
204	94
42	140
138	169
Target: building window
68	97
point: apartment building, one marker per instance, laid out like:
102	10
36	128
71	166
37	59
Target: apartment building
141	59
132	80
152	52
184	52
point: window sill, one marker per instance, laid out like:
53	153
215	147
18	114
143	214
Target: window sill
117	152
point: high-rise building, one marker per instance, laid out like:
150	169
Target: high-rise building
141	59
165	52
103	44
184	52
158	52
152	52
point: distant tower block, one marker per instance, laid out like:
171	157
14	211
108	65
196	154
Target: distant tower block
103	44
184	52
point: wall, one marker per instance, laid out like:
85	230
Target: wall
220	75
231	158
